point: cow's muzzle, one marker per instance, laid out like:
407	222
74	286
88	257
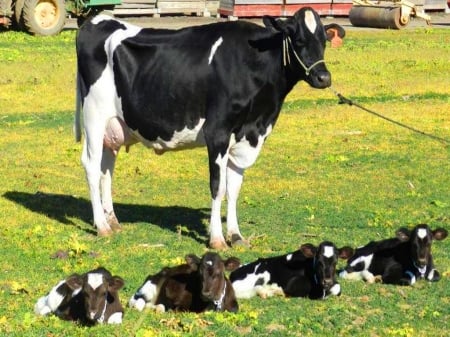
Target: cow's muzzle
321	79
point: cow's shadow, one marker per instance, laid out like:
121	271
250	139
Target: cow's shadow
64	208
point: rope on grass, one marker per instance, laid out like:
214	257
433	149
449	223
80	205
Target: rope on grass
344	100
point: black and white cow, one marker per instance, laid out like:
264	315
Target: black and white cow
198	285
307	272
88	298
220	85
401	260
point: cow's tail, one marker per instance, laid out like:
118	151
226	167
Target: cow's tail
77	122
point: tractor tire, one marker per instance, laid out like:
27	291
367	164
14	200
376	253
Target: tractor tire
18	21
44	17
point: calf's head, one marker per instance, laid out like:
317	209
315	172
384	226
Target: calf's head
420	239
211	269
304	38
325	259
97	289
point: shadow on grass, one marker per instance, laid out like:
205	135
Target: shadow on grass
63	207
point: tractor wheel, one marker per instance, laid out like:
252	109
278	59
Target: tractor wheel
44	17
18	21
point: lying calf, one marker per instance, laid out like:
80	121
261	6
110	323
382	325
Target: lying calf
196	286
307	272
401	260
88	298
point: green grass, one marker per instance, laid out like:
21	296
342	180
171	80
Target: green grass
328	171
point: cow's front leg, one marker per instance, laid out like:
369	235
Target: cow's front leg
235	176
108	162
217	169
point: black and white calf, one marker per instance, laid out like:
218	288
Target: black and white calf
196	286
307	272
89	298
401	260
220	85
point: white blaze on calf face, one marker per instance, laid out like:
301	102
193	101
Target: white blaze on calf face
95	280
214	49
328	251
289	257
310	21
422	233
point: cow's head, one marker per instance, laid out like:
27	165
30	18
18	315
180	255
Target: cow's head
304	38
211	269
420	239
96	288
325	259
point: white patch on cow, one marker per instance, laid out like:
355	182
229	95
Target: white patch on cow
430	275
288	257
101	17
247	288
422	233
144	296
310	21
366	259
115	318
95	280
328	251
184	139
214	49
351	276
242	154
412	277
269	290
368	276
336	289
209	263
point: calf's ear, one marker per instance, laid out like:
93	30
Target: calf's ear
335	34
193	261
74	281
440	234
232	263
345	252
403	234
116	283
308	249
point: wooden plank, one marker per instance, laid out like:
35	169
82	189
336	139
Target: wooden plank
135	11
283	10
129	6
180	4
152	2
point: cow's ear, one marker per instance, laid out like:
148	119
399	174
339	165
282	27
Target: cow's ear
308	249
116	283
232	263
332	29
345	252
74	281
275	24
403	234
439	234
193	261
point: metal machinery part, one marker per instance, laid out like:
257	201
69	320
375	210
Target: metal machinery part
385	14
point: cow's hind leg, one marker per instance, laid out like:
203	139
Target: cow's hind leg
92	161
234	181
108	161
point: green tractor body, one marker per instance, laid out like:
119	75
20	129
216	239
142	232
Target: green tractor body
48	17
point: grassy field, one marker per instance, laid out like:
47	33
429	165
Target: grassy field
328	171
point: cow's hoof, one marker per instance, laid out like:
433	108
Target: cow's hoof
113	222
239	241
104	232
218	244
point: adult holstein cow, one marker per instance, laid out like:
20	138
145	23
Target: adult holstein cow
221	85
